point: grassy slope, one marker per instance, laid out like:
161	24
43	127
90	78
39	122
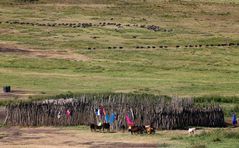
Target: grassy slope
182	72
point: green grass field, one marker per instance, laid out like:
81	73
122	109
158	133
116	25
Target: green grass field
171	71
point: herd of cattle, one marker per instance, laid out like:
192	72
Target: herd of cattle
154	28
133	129
176	46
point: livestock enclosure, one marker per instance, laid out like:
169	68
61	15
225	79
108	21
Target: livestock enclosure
161	111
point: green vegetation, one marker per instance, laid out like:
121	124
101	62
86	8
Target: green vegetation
183	72
214	138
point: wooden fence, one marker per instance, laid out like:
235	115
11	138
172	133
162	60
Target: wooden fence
162	112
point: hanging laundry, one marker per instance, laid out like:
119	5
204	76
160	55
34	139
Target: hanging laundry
104	112
68	113
129	121
96	111
59	115
112	118
132	113
106	118
98	114
116	116
101	111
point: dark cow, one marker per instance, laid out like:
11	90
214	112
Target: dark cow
149	129
136	129
94	127
106	126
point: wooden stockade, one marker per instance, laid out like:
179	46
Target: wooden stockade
162	112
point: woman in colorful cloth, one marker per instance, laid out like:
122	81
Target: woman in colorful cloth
234	120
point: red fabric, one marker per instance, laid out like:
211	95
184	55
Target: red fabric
104	111
68	113
129	121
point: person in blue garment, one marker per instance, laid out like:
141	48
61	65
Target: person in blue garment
234	120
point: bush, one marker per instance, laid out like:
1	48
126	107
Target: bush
216	99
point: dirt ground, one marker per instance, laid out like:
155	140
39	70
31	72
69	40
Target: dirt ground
16	94
72	137
68	54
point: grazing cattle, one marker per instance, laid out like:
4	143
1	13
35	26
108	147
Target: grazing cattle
136	129
149	129
224	44
122	127
106	126
191	130
94	127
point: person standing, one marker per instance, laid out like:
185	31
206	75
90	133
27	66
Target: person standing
234	120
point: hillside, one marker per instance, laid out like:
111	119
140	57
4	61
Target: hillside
165	47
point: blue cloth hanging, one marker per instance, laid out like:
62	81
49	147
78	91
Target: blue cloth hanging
112	118
107	118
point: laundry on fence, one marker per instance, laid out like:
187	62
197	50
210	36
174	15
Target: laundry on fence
129	121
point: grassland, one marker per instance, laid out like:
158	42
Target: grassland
174	72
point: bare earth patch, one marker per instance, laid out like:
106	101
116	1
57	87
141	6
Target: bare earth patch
62	137
66	55
17	94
